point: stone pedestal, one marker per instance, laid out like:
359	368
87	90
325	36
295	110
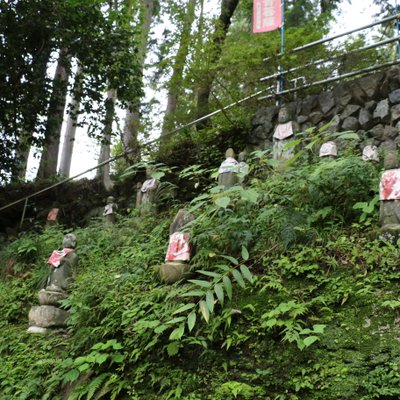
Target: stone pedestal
172	271
47	316
51	297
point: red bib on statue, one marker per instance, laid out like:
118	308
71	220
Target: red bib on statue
178	247
389	186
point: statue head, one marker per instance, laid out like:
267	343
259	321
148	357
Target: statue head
69	241
230	153
242	156
110	199
370	153
149	170
284	115
391	161
328	149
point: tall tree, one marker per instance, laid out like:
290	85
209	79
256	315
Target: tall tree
49	159
70	130
175	83
104	171
221	28
132	116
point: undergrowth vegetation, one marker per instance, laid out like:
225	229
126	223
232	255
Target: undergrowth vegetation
292	296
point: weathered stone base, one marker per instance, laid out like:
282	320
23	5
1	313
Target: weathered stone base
390	233
37	329
51	297
48	316
172	272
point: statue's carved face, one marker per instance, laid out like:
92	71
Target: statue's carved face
391	161
284	115
69	241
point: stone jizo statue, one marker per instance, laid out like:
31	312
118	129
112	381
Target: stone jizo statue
370	153
63	265
227	172
389	196
328	150
148	188
110	210
284	134
52	217
178	253
243	167
63	269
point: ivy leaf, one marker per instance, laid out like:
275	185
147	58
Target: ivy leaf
238	278
84	367
246	273
191	320
177	333
228	286
71	375
184	308
157	175
319	328
210	301
100	358
308	341
204	310
220	293
205	284
118	358
173	348
223	202
245	253
250	195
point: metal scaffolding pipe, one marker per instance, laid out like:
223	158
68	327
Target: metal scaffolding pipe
320	61
333	79
320	41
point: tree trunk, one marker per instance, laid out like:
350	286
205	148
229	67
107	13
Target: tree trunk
105	149
132	117
69	138
203	95
175	83
49	160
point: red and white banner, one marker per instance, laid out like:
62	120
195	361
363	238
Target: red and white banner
267	15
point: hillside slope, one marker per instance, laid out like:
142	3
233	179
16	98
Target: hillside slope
293	296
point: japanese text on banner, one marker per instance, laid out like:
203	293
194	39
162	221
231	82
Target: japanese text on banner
267	15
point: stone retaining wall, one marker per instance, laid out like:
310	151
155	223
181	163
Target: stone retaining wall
369	106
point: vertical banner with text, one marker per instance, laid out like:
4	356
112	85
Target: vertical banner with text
267	15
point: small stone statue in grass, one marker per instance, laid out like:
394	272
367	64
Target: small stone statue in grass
389	196
284	134
110	210
370	153
145	196
63	269
178	253
243	167
52	217
63	264
328	151
227	172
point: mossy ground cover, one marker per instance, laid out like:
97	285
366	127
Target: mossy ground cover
292	297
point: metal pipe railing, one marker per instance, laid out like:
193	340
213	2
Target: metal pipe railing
320	61
320	41
333	79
